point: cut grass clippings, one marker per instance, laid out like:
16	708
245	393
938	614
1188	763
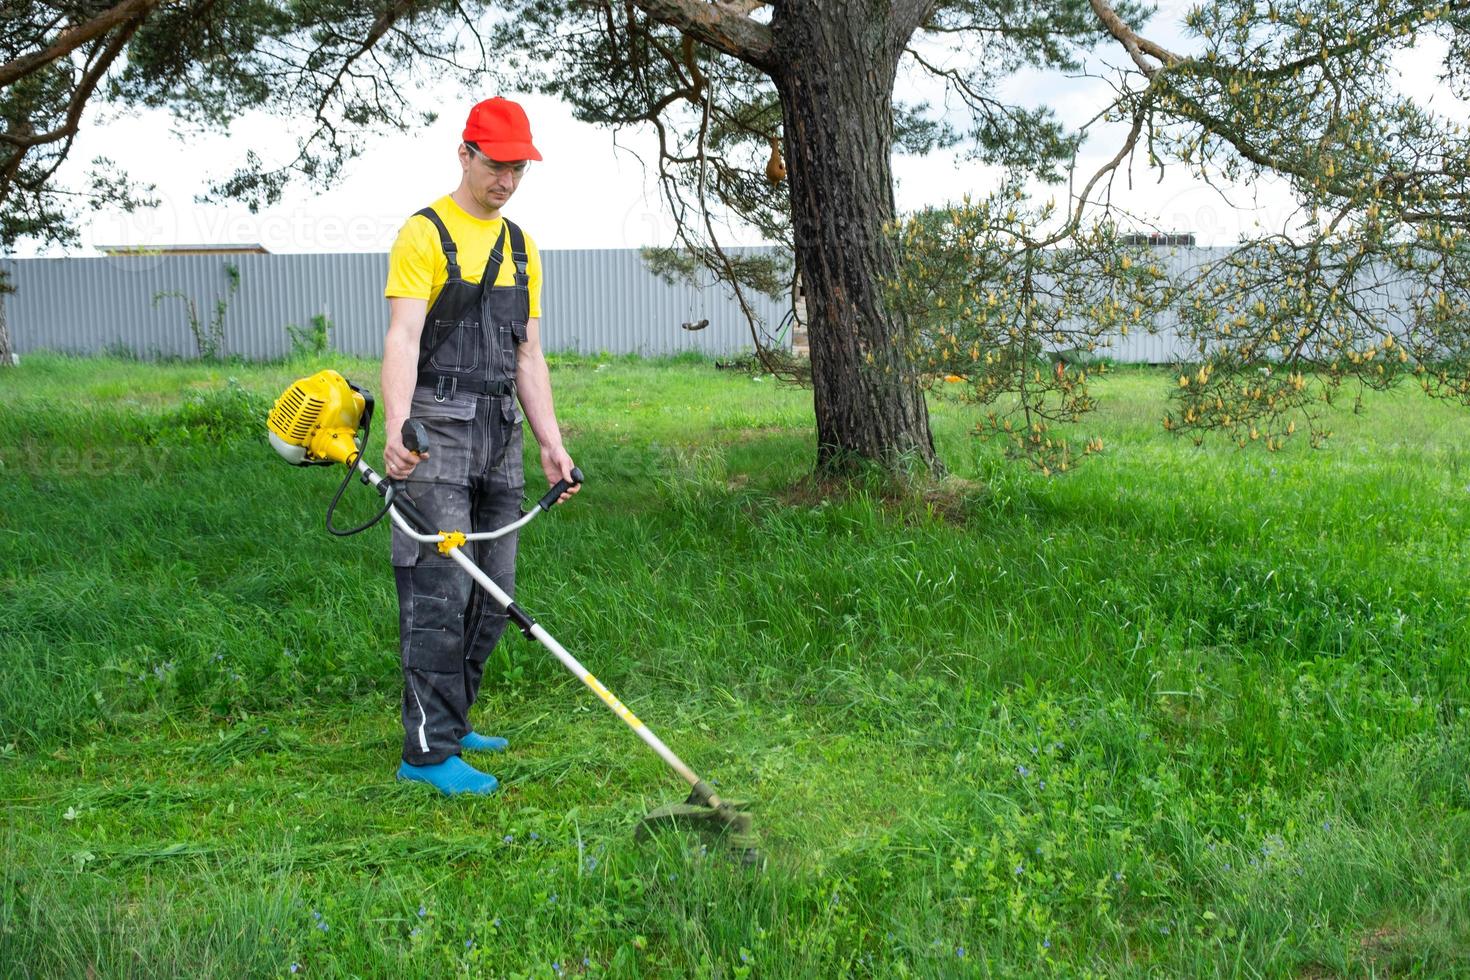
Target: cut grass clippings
1182	712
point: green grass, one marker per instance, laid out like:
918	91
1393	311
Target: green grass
1182	712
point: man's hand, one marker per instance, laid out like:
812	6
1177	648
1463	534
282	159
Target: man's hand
399	460
558	466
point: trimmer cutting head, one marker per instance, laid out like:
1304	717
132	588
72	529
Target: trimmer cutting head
727	822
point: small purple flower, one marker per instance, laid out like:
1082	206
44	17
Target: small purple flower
413	932
295	967
591	864
557	968
1117	876
960	952
535	836
1327	825
316	915
744	956
1164	930
1046	944
322	926
1041	785
1022	771
423	911
551	900
1020	868
508	839
469	943
586	962
496	922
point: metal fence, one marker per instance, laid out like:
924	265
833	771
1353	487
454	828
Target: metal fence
593	300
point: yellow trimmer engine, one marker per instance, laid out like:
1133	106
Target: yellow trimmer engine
316	420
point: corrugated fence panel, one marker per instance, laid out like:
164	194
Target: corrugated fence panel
593	300
607	300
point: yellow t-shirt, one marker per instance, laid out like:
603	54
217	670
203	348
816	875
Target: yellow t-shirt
417	268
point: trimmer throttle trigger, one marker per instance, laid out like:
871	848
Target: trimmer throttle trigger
415	437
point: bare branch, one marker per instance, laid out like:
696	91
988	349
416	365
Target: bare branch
718	25
380	27
1136	45
1075	221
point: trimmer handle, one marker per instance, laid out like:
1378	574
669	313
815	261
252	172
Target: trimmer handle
415	437
562	486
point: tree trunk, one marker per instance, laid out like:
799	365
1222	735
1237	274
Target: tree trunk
835	79
7	354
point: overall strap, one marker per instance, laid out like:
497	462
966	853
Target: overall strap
518	252
492	264
487	281
451	251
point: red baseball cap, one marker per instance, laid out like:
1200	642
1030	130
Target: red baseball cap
500	129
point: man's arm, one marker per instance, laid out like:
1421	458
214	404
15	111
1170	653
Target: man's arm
400	376
533	384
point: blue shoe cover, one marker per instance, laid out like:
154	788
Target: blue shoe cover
451	777
475	742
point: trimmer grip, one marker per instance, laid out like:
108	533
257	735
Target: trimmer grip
561	487
415	437
411	514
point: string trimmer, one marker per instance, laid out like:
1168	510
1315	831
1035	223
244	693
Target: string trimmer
326	420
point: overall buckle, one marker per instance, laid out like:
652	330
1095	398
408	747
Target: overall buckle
439	389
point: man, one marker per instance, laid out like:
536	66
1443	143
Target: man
464	296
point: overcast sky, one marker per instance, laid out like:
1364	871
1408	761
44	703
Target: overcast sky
588	194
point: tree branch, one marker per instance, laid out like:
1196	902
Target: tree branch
380	27
717	25
1136	46
74	37
906	16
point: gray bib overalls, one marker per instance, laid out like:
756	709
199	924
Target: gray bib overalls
472	480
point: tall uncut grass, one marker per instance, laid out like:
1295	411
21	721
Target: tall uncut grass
1182	712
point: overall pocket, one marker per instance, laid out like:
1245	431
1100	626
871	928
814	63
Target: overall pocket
460	350
450	425
512	334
